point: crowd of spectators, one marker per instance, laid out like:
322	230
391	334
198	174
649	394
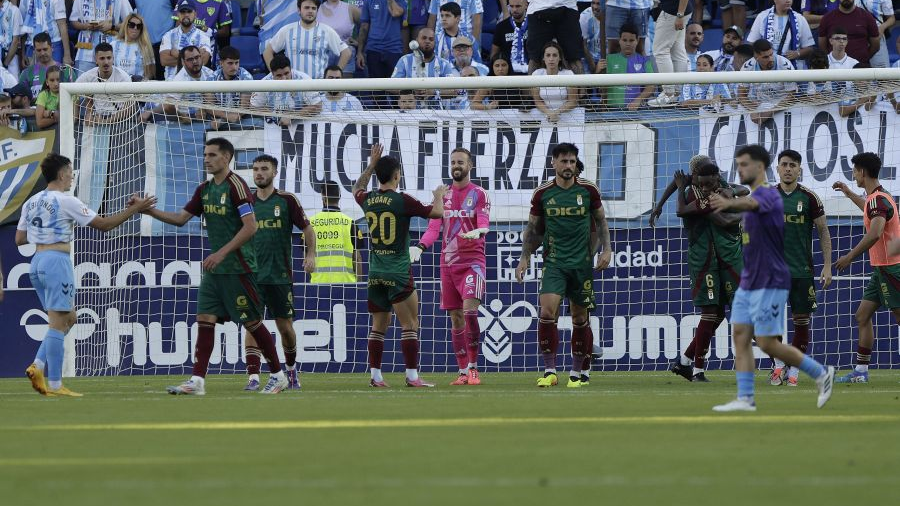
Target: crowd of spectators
46	42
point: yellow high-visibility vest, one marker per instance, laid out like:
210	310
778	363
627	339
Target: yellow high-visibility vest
334	248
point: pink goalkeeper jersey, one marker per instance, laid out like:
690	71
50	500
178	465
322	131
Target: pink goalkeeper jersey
465	209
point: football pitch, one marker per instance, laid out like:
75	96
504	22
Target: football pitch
632	438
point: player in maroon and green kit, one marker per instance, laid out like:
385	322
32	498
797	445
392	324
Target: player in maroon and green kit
277	213
391	284
228	288
562	212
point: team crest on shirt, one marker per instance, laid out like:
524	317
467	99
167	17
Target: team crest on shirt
277	211
638	67
222	200
578	199
210	10
799	207
470	202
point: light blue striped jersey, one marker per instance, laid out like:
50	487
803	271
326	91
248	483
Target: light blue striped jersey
232	99
591	32
87	11
704	91
438	67
308	49
10	24
285	100
274	15
128	57
50	216
630	4
40	16
177	39
443	44
468	7
344	104
206	74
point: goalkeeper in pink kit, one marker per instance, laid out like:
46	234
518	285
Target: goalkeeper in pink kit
463	262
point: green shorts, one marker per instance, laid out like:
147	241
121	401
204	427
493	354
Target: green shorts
388	288
714	287
278	300
232	297
884	286
802	296
577	284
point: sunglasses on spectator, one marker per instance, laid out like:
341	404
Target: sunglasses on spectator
135	25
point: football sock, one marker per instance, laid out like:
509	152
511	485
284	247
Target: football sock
54	350
412	374
290	357
409	345
778	363
588	348
254	359
744	383
265	342
376	350
458	338
811	367
793	372
291	367
473	334
863	357
579	336
548	342
203	348
685	359
376	374
698	370
801	334
574	375
472	365
702	337
40	358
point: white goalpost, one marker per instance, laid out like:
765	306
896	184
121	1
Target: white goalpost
137	285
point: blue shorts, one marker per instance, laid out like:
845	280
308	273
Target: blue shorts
53	278
763	308
618	16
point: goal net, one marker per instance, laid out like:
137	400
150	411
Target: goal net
137	285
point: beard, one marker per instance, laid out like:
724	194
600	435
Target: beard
186	22
458	175
427	53
264	184
567	174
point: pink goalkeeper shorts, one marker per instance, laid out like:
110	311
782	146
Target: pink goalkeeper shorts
461	282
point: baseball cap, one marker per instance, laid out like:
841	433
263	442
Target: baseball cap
20	90
736	29
184	5
462	40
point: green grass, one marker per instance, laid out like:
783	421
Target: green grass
638	438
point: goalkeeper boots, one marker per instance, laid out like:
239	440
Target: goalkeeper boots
854	377
473	376
778	376
37	379
293	379
549	379
189	387
277	382
685	371
461	379
63	392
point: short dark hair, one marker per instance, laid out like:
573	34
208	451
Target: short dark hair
103	47
229	53
756	153
333	67
761	45
708	169
838	30
385	168
706	57
223	145
869	162
185	50
42	37
793	155
267	159
564	148
300	2
467	152
279	61
452	8
331	191
52	164
629	28
817	59
745	50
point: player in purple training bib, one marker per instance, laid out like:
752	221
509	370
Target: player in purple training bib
758	308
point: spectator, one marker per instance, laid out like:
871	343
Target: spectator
338	101
406	100
593	31
693	39
214	19
20	106
229	70
132	51
742	54
157	20
343	18
511	37
99	109
765	98
449	31
46	114
95	20
838	57
273	15
7	78
621	12
192	69
423	62
471	14
183	35
863	38
462	52
416	16
708	97
461	101
669	45
883	12
723	57
786	30
308	44
301	103
734	13
555	19
34	74
554	101
40	16
813	10
379	44
5	107
628	61
487	99
10	36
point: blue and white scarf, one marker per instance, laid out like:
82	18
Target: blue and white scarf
518	57
792	25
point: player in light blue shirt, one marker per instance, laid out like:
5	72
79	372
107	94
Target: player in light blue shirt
48	220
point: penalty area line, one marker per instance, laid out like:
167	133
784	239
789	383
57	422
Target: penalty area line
459	422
